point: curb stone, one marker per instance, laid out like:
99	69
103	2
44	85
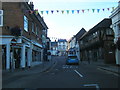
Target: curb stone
109	70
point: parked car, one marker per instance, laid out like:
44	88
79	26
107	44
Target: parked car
72	59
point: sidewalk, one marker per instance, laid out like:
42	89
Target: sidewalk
107	67
35	69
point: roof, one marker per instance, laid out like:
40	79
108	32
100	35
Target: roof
80	33
53	43
83	35
105	23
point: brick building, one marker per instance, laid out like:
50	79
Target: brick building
23	34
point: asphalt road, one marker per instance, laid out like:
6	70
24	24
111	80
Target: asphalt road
61	75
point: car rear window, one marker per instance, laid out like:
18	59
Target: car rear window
72	57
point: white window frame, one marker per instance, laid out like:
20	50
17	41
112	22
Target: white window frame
25	23
1	15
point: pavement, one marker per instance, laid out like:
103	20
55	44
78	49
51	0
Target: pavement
44	66
108	67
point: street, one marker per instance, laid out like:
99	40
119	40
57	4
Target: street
61	75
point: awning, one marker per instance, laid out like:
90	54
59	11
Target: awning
37	44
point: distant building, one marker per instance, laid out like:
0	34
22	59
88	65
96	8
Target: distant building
54	48
115	16
74	46
62	47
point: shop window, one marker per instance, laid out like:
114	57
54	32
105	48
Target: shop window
1	17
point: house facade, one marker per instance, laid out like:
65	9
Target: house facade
97	44
54	48
115	16
23	35
62	47
74	43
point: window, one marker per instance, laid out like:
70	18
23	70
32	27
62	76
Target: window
25	23
1	17
119	26
36	30
33	27
109	31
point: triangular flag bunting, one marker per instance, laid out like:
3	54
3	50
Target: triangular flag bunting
57	11
47	12
72	11
108	9
36	11
62	11
67	11
113	8
78	11
93	10
42	12
88	10
83	11
98	10
52	11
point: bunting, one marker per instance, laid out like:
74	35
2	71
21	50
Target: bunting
70	11
78	11
31	12
55	38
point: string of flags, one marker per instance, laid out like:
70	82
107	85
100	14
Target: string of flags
32	11
76	11
69	11
54	38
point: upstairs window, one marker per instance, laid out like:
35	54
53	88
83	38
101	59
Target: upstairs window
1	17
33	27
36	30
109	31
25	23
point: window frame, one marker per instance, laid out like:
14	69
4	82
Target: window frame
1	15
26	22
33	27
36	30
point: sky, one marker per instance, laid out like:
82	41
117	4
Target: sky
64	26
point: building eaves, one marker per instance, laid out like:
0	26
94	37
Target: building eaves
80	33
105	23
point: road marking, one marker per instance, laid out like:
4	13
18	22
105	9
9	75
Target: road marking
89	85
78	73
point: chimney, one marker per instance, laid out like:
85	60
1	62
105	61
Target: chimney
31	5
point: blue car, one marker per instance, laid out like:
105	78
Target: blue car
72	59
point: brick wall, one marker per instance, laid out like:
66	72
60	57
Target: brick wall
14	15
